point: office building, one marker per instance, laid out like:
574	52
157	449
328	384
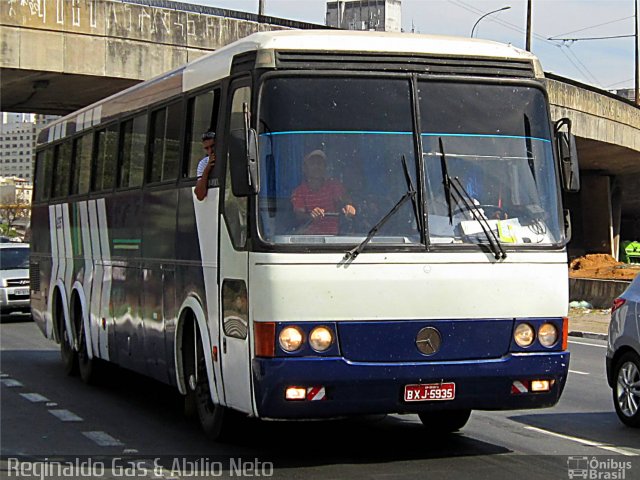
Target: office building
378	15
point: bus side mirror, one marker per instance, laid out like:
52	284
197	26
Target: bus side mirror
243	153
568	156
252	161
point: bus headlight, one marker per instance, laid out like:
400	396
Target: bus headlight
524	335
320	339
290	339
548	335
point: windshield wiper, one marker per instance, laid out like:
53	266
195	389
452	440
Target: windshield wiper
494	243
411	188
446	180
467	201
409	194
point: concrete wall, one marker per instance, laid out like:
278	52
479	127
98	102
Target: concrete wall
599	293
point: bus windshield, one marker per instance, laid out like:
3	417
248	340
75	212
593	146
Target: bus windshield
333	153
336	144
493	143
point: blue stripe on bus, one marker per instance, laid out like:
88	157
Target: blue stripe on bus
374	132
483	135
342	132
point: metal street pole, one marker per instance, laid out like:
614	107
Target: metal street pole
260	7
637	58
528	42
485	15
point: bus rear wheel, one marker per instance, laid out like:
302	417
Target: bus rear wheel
445	421
67	354
88	367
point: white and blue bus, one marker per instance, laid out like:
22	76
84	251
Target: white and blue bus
435	284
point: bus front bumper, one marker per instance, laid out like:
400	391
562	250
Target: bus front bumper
340	388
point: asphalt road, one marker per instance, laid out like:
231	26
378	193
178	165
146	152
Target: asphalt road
127	425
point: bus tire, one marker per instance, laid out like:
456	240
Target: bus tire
445	421
212	417
89	368
198	402
86	365
67	354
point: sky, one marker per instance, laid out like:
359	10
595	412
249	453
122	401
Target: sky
607	64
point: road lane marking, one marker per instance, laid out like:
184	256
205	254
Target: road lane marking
65	415
34	397
10	382
588	443
4	375
51	404
103	439
579	372
589	344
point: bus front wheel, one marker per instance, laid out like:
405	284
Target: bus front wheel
210	415
213	418
445	421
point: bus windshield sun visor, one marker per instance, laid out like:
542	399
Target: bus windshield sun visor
410	193
467	203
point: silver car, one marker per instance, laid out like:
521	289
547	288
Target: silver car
623	354
14	278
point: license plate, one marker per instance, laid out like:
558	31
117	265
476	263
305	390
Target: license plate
23	292
429	391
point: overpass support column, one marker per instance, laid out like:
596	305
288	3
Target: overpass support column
616	214
597	214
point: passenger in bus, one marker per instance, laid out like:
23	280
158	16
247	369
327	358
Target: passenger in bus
318	201
205	166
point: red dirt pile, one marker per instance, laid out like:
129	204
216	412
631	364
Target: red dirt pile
603	267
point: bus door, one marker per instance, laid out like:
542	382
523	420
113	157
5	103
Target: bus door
234	327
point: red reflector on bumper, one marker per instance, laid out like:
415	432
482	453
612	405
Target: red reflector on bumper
310	394
519	387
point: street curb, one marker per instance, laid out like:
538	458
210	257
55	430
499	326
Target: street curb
591	335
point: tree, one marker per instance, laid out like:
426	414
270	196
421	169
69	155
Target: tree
14	208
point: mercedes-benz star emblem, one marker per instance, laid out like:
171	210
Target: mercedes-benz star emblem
428	340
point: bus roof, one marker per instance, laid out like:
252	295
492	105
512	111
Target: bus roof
216	65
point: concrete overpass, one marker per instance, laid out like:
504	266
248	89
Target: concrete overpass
607	128
60	55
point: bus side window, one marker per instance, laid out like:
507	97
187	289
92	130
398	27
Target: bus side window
81	170
44	164
104	167
134	140
61	169
235	208
165	143
202	116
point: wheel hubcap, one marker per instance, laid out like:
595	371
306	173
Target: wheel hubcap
628	389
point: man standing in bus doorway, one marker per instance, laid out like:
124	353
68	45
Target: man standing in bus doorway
205	166
319	201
